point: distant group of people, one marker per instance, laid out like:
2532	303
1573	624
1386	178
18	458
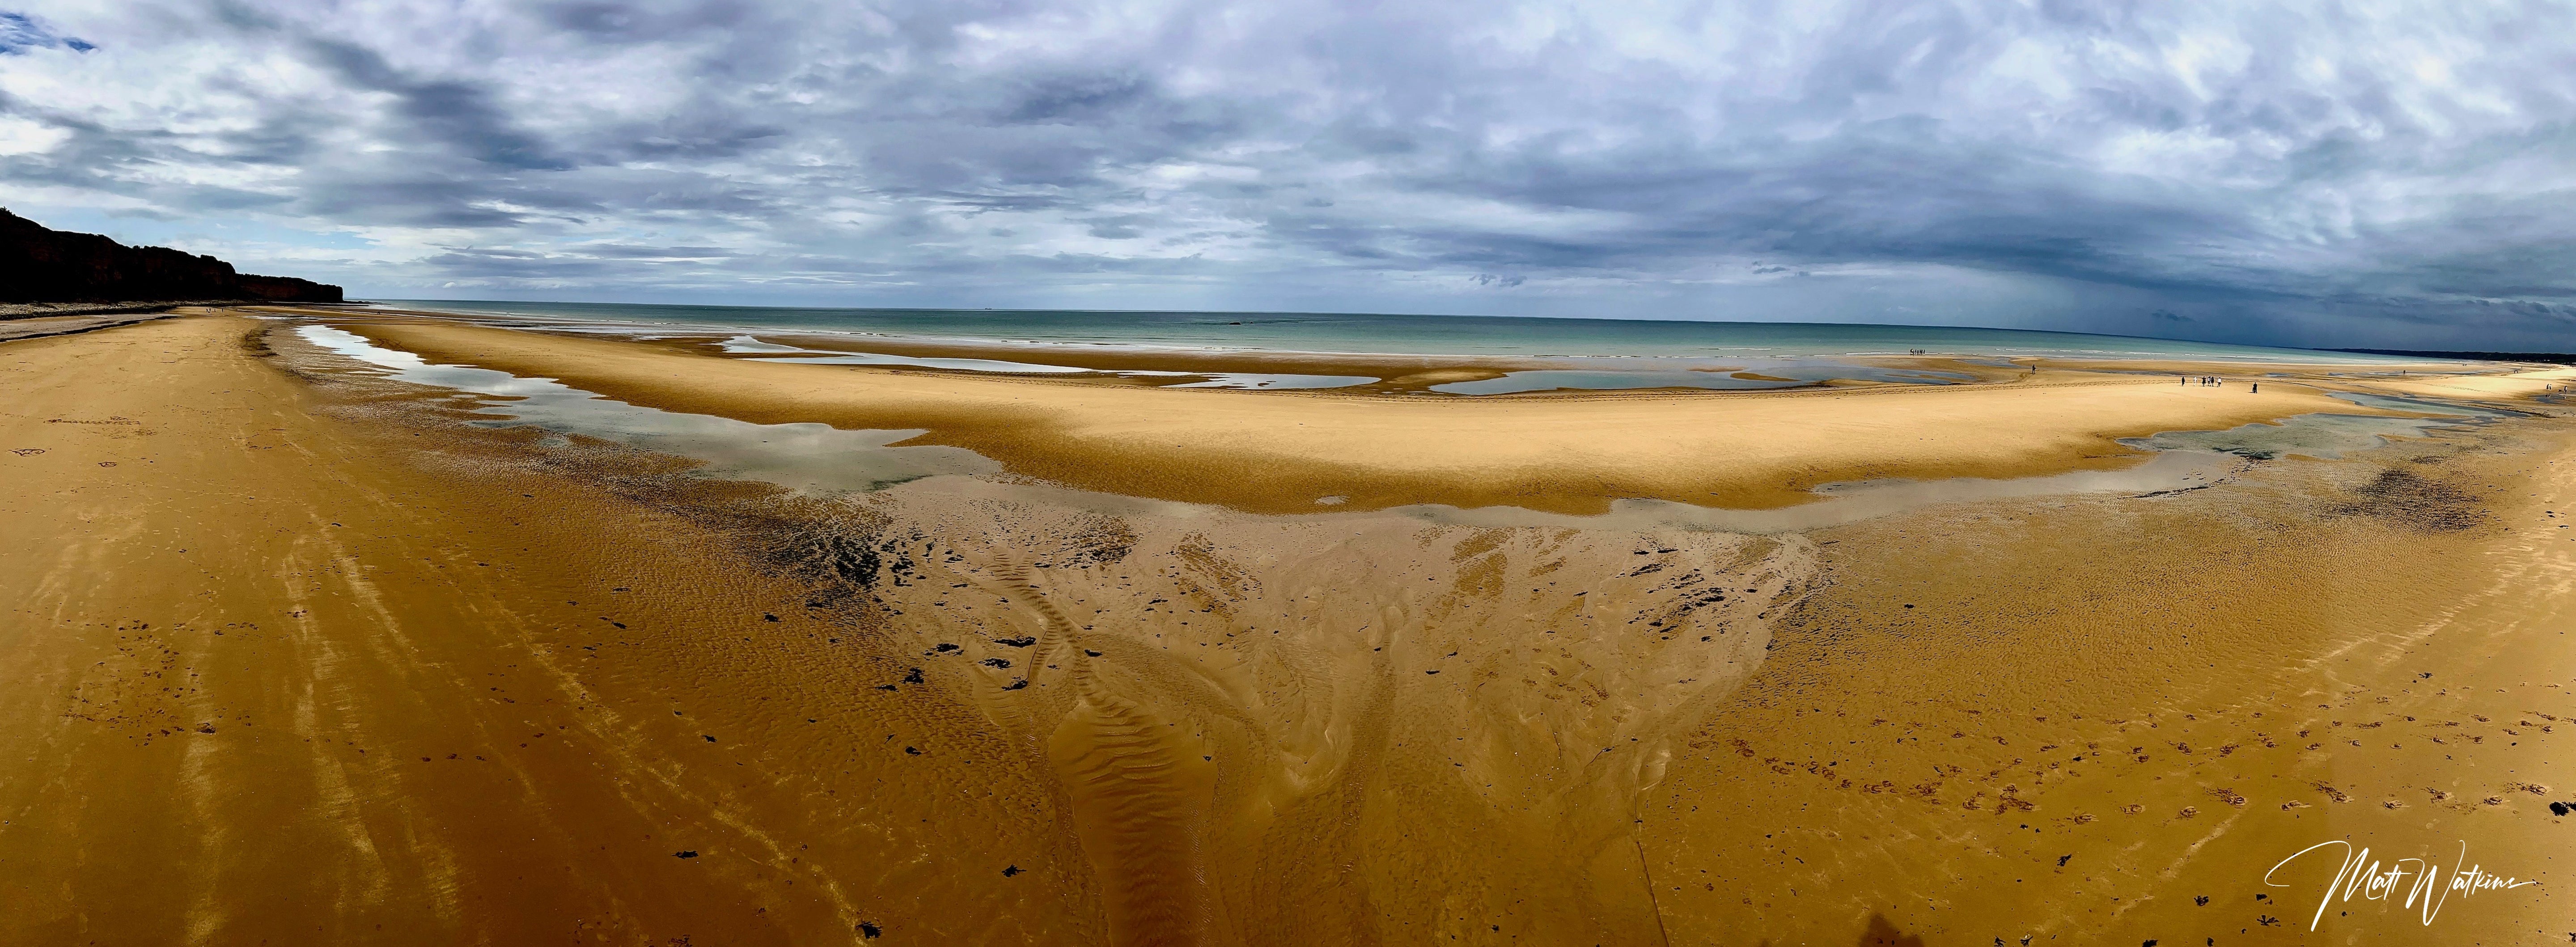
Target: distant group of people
2211	381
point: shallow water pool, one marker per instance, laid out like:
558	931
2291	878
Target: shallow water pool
803	456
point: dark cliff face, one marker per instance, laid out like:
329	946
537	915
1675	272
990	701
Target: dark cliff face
42	265
287	289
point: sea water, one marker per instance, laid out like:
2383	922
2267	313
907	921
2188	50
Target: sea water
1384	334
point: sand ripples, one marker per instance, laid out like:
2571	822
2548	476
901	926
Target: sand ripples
1286	729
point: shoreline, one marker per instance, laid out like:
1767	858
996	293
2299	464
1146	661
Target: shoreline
1109	356
2315	357
1274	451
1394	372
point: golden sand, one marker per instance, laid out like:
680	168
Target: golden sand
313	663
279	677
2501	386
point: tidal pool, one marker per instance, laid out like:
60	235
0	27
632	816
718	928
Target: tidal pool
802	456
2326	436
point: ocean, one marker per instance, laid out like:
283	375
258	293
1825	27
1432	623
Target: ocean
1386	334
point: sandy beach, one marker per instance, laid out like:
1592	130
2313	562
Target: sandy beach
309	655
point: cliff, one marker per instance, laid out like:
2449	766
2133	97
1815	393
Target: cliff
38	264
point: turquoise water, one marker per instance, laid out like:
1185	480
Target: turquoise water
1385	334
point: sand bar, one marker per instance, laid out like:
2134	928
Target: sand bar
1280	452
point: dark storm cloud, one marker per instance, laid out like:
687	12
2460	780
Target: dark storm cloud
2319	174
449	114
20	33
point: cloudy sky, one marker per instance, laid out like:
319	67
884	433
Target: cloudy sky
2387	174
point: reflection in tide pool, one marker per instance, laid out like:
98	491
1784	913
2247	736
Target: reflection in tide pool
2325	435
1767	376
803	456
1275	382
2427	406
1559	379
1839	504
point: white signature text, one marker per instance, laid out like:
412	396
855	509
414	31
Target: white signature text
2421	879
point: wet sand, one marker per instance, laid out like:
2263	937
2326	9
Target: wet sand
314	661
287	673
41	326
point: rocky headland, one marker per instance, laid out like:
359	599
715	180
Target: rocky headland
47	272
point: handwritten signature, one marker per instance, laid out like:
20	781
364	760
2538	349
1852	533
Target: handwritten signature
2420	878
